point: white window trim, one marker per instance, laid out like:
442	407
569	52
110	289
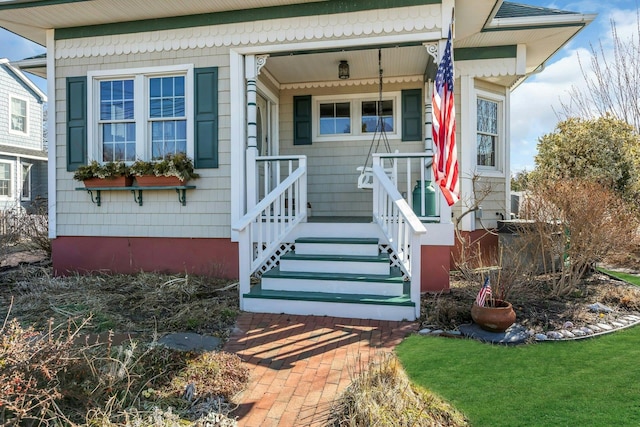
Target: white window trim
499	168
11	181
141	92
355	101
30	166
27	121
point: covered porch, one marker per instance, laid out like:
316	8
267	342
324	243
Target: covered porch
336	214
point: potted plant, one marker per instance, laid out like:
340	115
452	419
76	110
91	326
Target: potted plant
492	314
109	174
497	277
172	170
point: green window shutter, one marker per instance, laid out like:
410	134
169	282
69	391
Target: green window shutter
412	122
206	117
76	122
302	120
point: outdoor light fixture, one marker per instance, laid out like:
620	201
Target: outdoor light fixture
343	70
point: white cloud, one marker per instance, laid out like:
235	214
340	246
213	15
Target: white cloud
535	105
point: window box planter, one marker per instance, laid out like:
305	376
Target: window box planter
158	181
116	181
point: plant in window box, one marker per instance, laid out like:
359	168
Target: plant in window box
109	174
173	169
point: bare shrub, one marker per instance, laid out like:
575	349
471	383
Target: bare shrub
25	229
382	395
579	222
30	365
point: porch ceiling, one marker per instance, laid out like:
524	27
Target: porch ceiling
363	64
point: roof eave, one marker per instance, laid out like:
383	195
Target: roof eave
537	21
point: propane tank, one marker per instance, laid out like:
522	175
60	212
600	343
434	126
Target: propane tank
429	199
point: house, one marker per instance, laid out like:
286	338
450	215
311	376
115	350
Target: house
309	124
23	159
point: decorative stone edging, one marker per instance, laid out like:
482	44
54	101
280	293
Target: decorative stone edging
517	334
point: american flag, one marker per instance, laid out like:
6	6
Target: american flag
445	158
484	291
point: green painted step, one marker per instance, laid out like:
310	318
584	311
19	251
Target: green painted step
338	240
383	258
395	276
403	300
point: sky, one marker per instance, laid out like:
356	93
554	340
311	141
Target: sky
534	104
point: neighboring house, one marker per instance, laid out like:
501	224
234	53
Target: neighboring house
23	160
277	102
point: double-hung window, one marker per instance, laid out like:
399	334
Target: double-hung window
167	116
5	180
18	115
143	114
26	181
489	132
117	126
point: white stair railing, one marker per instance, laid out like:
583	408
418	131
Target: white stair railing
263	229
409	169
401	227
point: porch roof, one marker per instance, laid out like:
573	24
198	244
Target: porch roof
480	24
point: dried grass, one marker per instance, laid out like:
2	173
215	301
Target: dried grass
381	395
144	303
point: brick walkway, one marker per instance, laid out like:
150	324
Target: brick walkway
299	364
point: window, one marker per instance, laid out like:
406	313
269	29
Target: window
5	179
488	132
354	116
26	181
373	111
117	122
335	118
18	115
167	116
143	114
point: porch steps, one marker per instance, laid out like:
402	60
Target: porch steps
353	264
330	276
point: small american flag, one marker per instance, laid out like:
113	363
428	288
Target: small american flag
484	291
445	156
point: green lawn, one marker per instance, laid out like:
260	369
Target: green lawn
593	382
634	279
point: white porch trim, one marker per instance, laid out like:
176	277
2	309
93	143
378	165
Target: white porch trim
237	137
51	132
467	144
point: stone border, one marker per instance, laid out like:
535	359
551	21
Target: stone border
517	334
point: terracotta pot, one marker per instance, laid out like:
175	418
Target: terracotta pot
158	181
494	319
118	181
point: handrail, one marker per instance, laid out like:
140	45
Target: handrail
427	203
251	216
397	199
262	230
401	227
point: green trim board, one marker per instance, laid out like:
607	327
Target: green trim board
23	4
233	16
489	52
395	276
402	300
339	240
380	258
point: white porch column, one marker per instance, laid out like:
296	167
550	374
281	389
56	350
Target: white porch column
468	149
253	64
